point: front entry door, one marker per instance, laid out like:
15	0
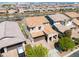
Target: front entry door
50	38
20	52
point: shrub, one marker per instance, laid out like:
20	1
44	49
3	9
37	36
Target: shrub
66	43
37	51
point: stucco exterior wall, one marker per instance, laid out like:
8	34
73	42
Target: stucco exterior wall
36	29
51	35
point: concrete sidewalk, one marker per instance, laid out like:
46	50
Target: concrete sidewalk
53	53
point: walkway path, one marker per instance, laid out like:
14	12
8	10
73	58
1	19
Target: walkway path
53	53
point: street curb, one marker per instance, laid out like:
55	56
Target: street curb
71	52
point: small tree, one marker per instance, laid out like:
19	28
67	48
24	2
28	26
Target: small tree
37	51
66	43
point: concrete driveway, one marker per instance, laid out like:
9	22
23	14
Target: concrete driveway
44	43
11	53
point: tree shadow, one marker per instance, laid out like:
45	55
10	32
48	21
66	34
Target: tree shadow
56	45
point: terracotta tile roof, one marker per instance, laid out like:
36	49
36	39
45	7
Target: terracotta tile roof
35	21
48	29
72	14
76	21
37	34
58	17
63	28
75	33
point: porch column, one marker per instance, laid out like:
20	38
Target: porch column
33	41
57	38
23	44
52	39
48	39
5	49
32	44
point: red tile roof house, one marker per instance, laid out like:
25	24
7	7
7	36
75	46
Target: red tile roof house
75	20
40	29
61	22
75	31
12	40
72	14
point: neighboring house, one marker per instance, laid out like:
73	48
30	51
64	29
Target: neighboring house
75	31
40	29
60	22
50	33
3	11
22	10
72	14
76	22
12	40
12	11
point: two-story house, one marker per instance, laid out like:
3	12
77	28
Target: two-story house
60	22
40	29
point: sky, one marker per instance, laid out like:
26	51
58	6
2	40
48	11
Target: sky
42	2
39	0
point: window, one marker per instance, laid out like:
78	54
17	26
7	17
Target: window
33	28
71	28
50	38
39	27
62	22
55	36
